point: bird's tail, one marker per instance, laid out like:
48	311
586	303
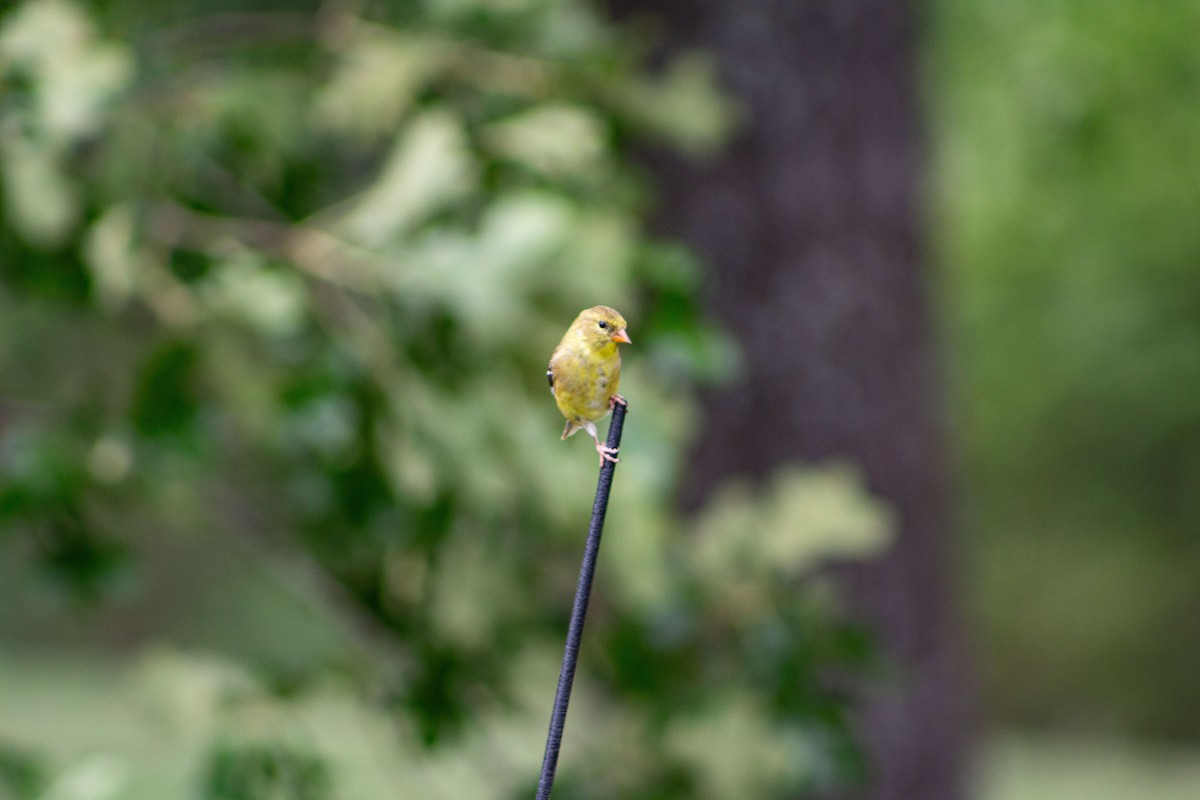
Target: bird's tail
571	428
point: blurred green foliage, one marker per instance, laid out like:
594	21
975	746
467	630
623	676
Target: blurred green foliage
277	288
1067	193
22	777
1048	767
238	772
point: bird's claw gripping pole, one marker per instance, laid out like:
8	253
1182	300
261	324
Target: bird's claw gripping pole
566	677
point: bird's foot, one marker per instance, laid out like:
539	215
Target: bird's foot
616	400
606	453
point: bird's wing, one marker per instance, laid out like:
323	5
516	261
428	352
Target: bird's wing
552	368
558	369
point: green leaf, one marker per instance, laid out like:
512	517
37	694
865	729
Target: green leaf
429	166
166	401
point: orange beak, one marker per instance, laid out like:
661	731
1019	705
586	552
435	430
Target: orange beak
622	336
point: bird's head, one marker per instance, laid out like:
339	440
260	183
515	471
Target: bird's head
601	326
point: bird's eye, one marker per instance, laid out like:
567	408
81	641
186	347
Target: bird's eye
602	324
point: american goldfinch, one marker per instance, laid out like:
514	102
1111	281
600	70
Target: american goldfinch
585	371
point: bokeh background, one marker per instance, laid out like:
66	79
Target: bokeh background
907	505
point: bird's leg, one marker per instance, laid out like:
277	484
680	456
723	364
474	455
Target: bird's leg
605	452
615	400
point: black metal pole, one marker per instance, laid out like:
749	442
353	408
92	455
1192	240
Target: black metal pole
566	677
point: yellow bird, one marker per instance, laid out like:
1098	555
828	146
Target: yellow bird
585	371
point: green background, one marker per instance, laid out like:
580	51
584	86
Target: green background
283	508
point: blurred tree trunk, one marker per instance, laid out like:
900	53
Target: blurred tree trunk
812	224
